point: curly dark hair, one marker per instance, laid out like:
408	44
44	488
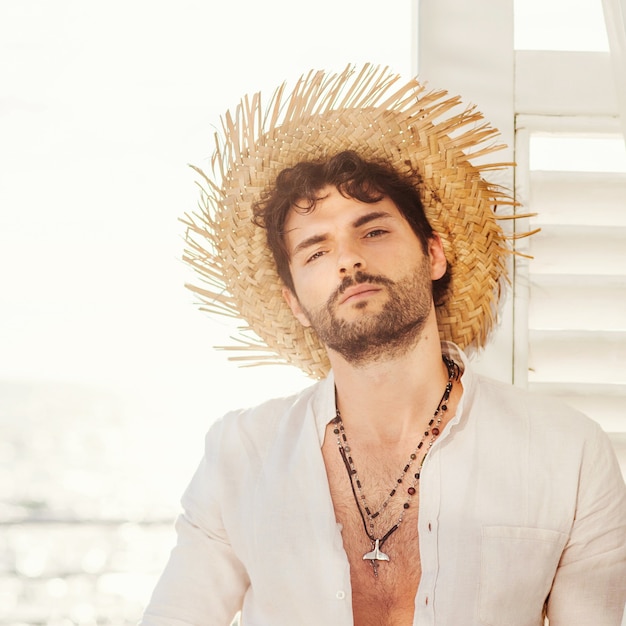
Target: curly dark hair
367	181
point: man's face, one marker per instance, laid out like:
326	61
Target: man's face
362	281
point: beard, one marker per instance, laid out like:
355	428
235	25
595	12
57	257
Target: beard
389	333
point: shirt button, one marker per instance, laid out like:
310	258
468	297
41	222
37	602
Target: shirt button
429	527
426	601
340	595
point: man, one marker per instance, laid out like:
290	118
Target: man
356	239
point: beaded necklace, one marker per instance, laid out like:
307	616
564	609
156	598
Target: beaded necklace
431	433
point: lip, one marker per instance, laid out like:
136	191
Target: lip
358	290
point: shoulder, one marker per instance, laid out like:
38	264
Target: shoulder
543	415
255	428
520	428
239	444
501	406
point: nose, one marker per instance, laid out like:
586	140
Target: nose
350	259
346	270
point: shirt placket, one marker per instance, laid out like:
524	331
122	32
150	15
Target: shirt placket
429	504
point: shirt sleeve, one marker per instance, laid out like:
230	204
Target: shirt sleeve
590	583
204	582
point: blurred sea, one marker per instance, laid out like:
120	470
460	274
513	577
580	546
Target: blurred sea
86	510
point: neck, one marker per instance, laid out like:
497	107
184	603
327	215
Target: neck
391	400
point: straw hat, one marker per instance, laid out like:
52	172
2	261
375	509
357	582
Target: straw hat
362	110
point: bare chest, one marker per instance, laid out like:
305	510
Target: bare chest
385	597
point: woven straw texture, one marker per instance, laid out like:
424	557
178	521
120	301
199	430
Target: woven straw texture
361	109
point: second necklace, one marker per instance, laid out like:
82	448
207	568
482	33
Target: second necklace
368	515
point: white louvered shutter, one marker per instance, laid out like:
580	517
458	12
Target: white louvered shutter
552	78
570	337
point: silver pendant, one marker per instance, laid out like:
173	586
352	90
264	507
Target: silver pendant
376	554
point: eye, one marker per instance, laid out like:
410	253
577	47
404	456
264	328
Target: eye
315	255
377	232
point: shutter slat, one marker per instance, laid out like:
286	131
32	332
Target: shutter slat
580	250
578	198
577	357
599	306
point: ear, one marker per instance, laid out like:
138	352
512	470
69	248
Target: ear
294	304
438	263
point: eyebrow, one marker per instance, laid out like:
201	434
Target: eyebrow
369	217
357	223
308	242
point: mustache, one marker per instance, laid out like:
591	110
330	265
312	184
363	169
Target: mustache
358	278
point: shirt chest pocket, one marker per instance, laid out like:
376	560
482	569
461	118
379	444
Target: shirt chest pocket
517	568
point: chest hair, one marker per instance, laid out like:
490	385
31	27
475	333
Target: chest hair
388	598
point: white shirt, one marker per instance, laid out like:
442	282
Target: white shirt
520	497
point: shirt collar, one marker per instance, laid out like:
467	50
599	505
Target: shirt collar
468	379
324	408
